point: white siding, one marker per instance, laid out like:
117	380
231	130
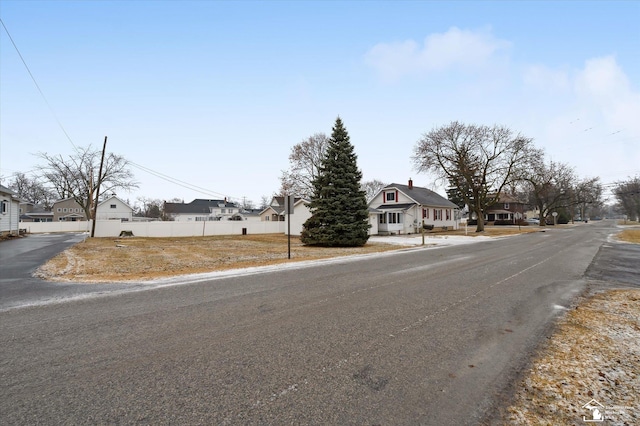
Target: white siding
9	220
121	210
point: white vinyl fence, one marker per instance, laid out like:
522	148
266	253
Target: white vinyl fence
113	228
45	227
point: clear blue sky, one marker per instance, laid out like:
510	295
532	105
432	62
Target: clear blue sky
216	93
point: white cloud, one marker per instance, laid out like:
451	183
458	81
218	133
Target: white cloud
605	86
454	48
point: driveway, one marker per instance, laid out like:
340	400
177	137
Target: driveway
20	257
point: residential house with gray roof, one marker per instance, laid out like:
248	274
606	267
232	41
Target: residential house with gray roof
401	209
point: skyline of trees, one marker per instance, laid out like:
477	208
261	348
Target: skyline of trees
544	185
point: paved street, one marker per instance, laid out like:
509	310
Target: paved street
430	336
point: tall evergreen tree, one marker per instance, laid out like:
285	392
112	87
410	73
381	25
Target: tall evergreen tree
339	205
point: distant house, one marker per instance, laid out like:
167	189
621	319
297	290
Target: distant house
298	217
204	210
508	209
9	212
30	212
68	210
113	208
275	211
250	214
401	209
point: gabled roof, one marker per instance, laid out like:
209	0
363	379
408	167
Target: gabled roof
197	206
422	196
279	204
111	198
6	190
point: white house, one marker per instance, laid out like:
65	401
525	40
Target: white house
401	209
300	215
204	210
113	208
9	212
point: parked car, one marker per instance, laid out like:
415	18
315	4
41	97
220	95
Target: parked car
533	221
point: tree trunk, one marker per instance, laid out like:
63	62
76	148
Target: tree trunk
480	215
543	220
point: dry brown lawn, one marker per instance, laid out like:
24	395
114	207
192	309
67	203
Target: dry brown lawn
594	354
490	231
131	259
630	236
135	259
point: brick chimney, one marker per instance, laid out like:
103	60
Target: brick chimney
410	183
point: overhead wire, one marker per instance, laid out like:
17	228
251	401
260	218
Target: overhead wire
175	181
143	168
36	84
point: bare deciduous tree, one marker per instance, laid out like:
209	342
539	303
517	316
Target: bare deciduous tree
550	184
305	159
372	187
265	200
477	160
150	207
76	176
588	196
32	190
627	194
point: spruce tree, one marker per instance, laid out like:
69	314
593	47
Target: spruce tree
339	205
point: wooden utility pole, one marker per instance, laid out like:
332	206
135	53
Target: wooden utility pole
95	206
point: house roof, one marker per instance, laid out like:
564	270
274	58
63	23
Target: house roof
279	208
198	205
508	198
6	190
401	206
422	196
64	199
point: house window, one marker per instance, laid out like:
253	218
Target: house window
437	214
506	206
383	218
395	217
223	211
448	214
3	207
59	209
230	211
64	210
391	196
425	213
112	206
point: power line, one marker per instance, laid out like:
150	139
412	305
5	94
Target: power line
143	168
178	181
36	83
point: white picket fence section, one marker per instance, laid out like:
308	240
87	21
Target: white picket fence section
113	228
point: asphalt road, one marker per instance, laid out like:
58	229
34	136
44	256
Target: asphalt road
430	336
19	258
